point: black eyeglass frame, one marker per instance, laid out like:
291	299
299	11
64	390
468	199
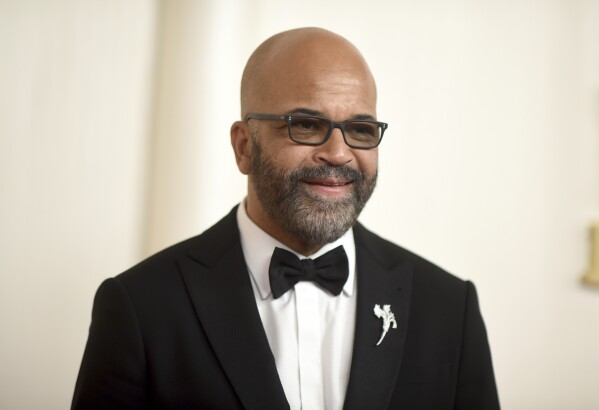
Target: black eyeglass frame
332	125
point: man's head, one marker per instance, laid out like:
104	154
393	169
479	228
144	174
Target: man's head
305	195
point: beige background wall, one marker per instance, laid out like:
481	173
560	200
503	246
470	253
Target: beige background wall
114	120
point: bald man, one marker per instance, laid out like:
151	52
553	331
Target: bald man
288	302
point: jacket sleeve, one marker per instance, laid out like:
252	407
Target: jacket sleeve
476	387
113	369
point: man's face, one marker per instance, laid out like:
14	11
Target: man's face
307	196
315	203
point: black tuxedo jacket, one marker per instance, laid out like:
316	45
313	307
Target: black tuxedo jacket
181	330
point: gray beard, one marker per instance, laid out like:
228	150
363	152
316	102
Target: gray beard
309	217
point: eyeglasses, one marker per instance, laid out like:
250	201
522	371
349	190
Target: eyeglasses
315	130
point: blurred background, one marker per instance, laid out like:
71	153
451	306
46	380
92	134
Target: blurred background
114	143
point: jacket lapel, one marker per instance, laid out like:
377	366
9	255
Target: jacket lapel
219	285
382	280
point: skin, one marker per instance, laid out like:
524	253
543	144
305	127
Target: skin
303	69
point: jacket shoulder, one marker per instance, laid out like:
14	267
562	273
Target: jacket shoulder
205	248
390	254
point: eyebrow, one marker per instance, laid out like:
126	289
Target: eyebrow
308	111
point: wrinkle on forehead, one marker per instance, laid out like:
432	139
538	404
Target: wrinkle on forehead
339	79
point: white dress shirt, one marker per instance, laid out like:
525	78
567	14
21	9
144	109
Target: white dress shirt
310	331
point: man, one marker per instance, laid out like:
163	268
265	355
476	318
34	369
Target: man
239	318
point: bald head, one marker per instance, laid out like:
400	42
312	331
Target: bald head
288	62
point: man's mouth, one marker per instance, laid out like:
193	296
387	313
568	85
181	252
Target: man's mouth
329	187
328	182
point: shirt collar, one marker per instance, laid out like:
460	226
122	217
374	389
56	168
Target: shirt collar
258	247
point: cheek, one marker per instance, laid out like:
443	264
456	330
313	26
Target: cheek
291	156
368	160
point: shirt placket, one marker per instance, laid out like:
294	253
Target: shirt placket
309	352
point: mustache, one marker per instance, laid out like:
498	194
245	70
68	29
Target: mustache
327	171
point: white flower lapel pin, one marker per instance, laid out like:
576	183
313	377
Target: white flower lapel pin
388	319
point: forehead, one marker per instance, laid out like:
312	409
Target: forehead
329	78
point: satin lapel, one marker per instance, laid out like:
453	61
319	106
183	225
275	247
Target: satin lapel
383	281
219	286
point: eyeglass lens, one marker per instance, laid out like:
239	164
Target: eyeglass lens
309	130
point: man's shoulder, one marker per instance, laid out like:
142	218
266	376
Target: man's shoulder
206	249
390	254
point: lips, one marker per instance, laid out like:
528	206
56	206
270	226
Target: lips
328	182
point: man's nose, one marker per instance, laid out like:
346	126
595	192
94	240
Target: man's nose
335	151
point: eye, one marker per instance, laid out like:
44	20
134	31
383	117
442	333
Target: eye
363	129
307	125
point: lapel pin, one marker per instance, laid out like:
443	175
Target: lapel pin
388	319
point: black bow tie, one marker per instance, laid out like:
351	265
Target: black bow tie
329	271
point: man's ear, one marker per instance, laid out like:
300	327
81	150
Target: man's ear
241	143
